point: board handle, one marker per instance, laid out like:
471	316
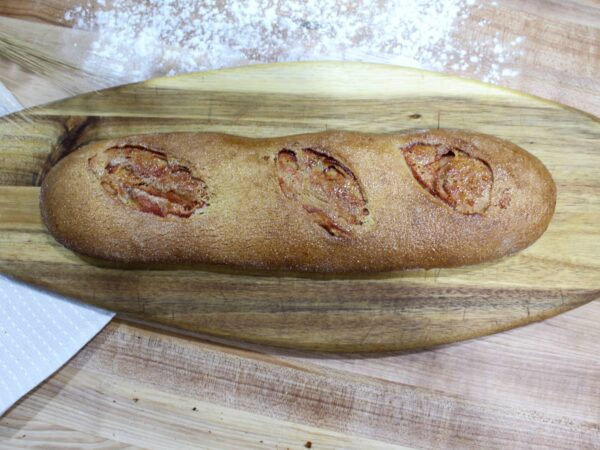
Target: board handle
32	145
73	128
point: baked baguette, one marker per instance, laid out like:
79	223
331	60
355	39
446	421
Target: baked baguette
325	202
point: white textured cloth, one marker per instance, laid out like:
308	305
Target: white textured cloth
8	102
39	333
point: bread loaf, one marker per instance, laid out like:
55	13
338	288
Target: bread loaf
325	202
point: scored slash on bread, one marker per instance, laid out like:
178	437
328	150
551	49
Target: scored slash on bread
461	180
324	202
149	181
324	186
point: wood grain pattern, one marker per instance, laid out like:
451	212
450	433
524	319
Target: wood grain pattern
560	59
386	312
185	414
187	393
550	369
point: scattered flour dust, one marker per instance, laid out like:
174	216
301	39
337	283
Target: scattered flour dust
140	39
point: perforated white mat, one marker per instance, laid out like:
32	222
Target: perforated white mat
39	332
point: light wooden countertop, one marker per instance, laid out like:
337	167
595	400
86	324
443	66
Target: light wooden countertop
140	387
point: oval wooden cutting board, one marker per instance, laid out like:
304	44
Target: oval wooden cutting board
386	312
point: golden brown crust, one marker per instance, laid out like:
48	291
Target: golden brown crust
325	202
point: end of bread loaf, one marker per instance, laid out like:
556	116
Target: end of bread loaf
506	191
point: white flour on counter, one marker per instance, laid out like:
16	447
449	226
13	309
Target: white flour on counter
140	39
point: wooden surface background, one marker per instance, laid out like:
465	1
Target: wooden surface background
537	386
